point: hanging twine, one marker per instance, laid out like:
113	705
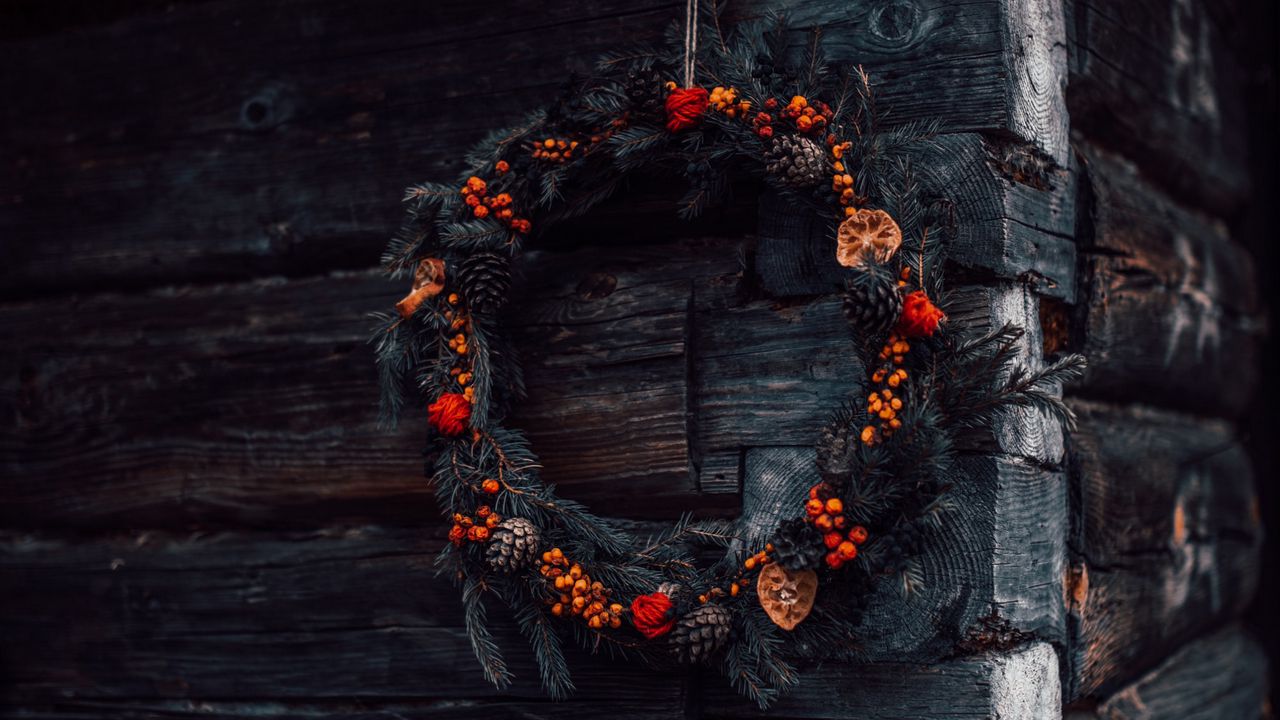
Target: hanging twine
690	40
686	105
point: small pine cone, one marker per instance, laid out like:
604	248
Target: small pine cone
796	161
797	545
644	89
701	632
836	448
872	301
485	279
513	545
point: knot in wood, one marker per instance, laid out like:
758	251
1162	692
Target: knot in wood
895	23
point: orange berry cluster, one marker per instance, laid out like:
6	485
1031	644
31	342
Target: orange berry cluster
726	100
808	116
473	529
577	595
559	150
826	512
562	150
460	321
842	180
482	204
882	405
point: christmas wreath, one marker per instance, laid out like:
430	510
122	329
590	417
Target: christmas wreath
886	463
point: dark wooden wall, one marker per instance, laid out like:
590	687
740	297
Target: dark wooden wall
199	516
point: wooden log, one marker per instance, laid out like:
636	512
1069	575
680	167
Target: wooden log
255	140
1019	684
1219	677
255	403
1157	81
1167	541
1172	315
493	708
326	616
1001	552
1013	221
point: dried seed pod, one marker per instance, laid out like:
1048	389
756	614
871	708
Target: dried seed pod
428	281
786	595
865	236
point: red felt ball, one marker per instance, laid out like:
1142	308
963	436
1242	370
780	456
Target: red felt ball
685	107
920	317
652	614
450	414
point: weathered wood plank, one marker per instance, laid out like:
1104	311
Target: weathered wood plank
286	132
1008	228
254	403
1172	314
1019	684
329	615
1167	541
1155	80
1220	677
497	707
1001	551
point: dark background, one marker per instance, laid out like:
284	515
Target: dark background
1253	34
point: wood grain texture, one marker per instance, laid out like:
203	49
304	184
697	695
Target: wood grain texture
255	403
1012	229
285	133
1156	80
1172	314
1222	676
1001	551
1015	685
1166	543
329	616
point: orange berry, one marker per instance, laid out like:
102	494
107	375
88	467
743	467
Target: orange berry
832	540
502	166
814	507
483	511
490	486
834	561
834	506
480	211
858	534
839	522
823	522
750	564
847	550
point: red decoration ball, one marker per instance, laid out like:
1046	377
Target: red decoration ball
450	414
685	107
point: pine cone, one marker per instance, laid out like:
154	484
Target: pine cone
644	90
485	279
797	545
700	633
513	544
872	301
836	448
796	161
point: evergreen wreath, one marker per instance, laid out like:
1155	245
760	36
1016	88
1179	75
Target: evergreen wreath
886	464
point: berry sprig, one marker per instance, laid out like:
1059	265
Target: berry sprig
842	180
477	197
826	512
561	150
807	116
473	529
725	100
576	594
883	405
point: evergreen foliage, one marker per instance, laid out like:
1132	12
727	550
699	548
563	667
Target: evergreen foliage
897	488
